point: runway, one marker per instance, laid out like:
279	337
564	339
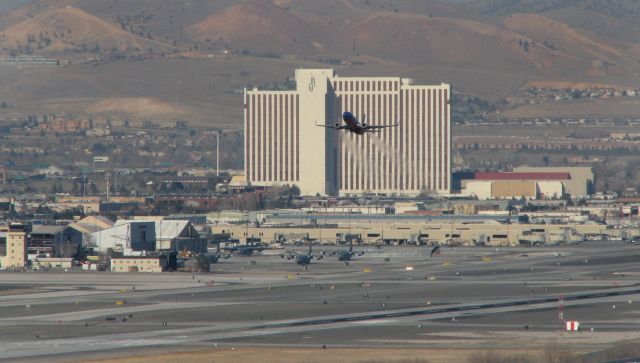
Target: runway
461	292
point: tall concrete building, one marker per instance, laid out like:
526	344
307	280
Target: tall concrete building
13	246
283	145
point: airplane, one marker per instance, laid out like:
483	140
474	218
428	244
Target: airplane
435	249
352	124
215	258
345	255
247	249
305	259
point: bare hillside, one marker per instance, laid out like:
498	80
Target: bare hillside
70	29
172	59
264	27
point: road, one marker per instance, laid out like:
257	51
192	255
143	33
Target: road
461	296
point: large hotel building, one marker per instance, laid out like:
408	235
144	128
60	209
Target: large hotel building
283	145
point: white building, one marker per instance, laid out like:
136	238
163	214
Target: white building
132	238
283	145
173	235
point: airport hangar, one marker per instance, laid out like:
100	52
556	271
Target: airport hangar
283	145
452	231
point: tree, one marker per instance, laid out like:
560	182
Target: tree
294	190
67	249
93	188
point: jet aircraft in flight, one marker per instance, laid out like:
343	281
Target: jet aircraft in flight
351	124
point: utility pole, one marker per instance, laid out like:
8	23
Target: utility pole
217	153
106	177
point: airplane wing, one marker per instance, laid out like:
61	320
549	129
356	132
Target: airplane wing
381	126
341	127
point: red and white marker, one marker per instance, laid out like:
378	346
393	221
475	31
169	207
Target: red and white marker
573	326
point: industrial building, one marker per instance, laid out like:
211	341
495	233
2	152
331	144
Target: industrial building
539	184
452	230
178	235
91	224
53	240
580	183
283	145
139	264
175	236
131	238
40	263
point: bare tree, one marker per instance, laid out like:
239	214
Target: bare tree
67	249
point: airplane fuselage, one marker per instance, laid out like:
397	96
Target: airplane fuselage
345	255
303	260
353	124
350	123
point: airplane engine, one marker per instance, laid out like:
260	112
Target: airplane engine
364	125
336	125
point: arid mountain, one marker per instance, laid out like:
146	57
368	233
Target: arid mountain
535	45
70	29
264	27
192	59
628	10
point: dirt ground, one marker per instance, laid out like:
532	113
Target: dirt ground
308	355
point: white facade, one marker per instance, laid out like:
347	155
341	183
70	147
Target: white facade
479	189
579	186
132	238
550	189
283	145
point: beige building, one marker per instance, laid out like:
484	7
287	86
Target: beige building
451	232
507	189
283	145
580	184
13	246
52	262
534	184
138	264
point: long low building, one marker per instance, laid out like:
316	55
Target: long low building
443	232
139	264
